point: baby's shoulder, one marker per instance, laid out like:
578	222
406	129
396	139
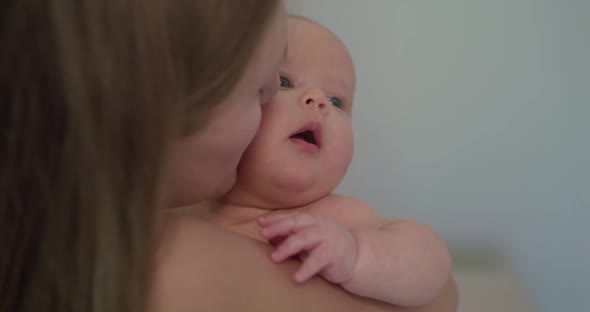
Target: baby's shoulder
347	210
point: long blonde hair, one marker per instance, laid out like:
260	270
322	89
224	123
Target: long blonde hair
91	92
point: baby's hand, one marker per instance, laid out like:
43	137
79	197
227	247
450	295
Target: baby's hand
322	244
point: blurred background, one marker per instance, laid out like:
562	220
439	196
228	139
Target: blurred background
473	116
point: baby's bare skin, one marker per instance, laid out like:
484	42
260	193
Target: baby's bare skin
343	240
300	153
198	258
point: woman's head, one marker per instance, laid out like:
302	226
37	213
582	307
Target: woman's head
203	163
95	97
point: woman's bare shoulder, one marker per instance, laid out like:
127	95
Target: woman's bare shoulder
202	267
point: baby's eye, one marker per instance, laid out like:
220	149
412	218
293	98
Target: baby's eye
285	82
335	101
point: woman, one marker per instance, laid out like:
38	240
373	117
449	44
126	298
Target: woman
112	110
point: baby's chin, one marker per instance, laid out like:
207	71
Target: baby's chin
273	196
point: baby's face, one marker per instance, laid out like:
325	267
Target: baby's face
304	144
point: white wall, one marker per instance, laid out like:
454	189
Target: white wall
472	116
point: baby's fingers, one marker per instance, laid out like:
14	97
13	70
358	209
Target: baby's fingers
313	264
288	225
296	244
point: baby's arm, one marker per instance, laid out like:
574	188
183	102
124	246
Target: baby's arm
397	261
401	262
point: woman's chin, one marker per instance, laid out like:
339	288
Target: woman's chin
225	185
209	189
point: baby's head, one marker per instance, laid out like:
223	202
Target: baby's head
305	143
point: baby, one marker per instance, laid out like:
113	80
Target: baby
299	155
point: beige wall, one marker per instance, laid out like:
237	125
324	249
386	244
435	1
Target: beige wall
473	116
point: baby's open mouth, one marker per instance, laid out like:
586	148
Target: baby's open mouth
307	136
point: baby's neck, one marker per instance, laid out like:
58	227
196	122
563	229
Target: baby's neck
242	219
230	214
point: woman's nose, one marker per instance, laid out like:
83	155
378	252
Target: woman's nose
315	98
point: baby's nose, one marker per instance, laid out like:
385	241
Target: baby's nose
317	99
